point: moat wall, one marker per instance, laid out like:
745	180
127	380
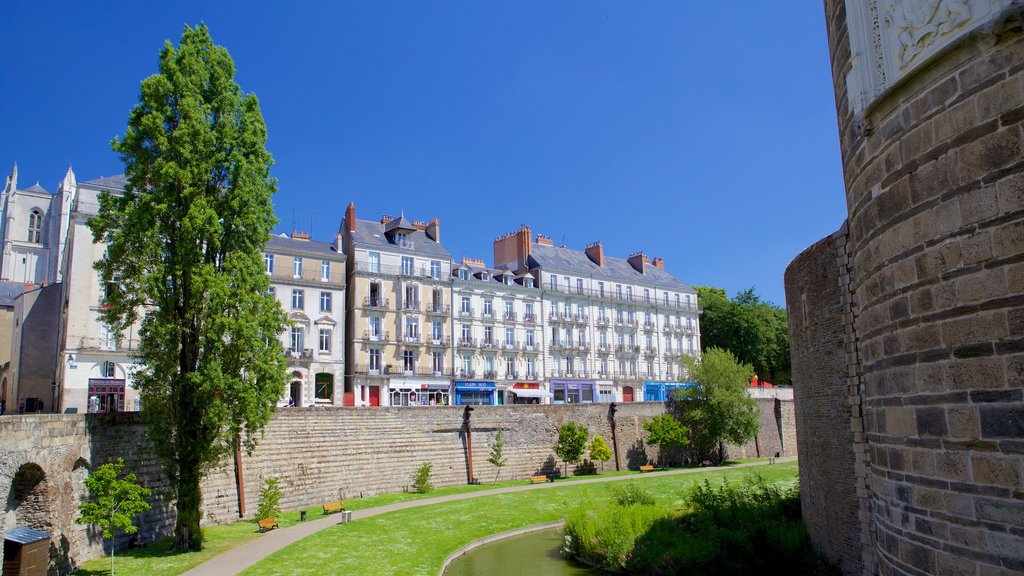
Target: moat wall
924	288
318	455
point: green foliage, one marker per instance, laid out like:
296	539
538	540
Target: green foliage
718	409
756	332
113	503
184	244
572	441
270	500
497	457
665	432
599	450
421	479
631	494
604	536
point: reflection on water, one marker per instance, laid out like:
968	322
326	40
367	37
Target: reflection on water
534	554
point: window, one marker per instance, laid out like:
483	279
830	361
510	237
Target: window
297	339
508	279
488	308
325	301
375	359
647	296
324	386
467	333
407	265
529	337
412	329
600	289
485	275
268	262
665	296
272	292
629	293
618	291
529	310
579	285
436	331
618	315
650	342
604	366
488	335
412	296
554	282
374	262
489	363
35	226
467	364
604	338
408	361
465	305
108	369
528	282
510	336
531	366
402	239
325	271
297	269
437	362
463	274
510	366
435	268
325	339
298	299
375	326
508	309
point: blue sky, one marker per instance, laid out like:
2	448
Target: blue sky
701	132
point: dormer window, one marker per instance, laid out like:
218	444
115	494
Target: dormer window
528	281
35	226
508	280
485	275
463	274
403	240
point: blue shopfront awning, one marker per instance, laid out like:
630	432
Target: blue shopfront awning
479	386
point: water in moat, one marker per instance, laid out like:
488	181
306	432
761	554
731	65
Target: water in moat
533	554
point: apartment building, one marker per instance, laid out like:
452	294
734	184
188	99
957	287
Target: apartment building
399	321
612	326
308	279
497	327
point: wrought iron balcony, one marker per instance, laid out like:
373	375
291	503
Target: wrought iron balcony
365	369
467	373
437	342
465	312
379	336
490	374
412	340
109	344
530	317
300	353
369	302
439	309
411	306
467	343
488	343
511	316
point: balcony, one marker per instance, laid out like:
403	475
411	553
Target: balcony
411	340
366	370
488	343
582	347
506	345
649	326
109	344
651	351
558	345
531	376
490	374
510	316
467	343
603	322
431	372
413	306
604	348
466	373
530	317
437	309
554	317
511	375
487	316
465	313
437	342
378	336
376	303
299	353
392	270
531	348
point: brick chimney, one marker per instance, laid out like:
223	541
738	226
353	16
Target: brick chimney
350	217
433	230
544	240
659	263
473	261
596	253
638	260
513	249
300	235
384	218
419	225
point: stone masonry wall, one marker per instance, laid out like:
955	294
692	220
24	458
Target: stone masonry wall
320	455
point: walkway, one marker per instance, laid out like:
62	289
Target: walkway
245	555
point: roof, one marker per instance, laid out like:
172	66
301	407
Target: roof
36	188
23	535
616	269
370	235
117	182
9	291
280	242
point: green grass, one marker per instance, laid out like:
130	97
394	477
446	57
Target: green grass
417	540
158	559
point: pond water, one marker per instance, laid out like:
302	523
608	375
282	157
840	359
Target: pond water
534	554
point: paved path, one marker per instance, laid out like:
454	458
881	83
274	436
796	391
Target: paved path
245	555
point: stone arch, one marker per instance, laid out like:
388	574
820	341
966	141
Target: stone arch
30	498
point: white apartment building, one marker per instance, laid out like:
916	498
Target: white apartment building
613	328
497	329
308	279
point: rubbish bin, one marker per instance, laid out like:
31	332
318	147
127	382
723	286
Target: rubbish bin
302	516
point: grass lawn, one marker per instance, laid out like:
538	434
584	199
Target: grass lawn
158	559
417	540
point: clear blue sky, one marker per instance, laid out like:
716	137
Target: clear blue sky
701	132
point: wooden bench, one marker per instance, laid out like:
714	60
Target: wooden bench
647	468
268	524
538	479
332	507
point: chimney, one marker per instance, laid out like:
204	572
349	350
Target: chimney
300	235
513	249
638	260
659	263
544	240
433	230
350	217
419	225
596	253
473	261
384	218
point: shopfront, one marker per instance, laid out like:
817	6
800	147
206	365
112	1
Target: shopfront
605	391
106	395
573	391
529	393
475	392
662	391
419	392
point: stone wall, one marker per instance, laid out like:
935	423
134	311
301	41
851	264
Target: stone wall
931	286
317	454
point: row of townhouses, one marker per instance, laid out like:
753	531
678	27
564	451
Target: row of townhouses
381	316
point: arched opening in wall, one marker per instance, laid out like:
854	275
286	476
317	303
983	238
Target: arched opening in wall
79	472
295	389
30	498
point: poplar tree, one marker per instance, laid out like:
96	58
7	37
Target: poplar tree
184	244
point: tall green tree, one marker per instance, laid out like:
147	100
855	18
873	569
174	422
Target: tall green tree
718	409
665	432
114	501
184	243
572	441
757	332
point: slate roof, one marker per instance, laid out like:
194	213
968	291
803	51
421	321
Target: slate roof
304	246
116	182
9	291
371	235
36	188
24	535
555	259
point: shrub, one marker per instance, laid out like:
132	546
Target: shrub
604	537
421	480
629	494
599	450
572	441
270	500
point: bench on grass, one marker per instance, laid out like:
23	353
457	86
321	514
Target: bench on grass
332	507
538	479
268	524
647	468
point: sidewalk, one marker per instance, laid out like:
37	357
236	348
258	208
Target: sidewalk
245	555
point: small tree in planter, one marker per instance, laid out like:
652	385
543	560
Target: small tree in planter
572	441
497	457
113	503
270	500
599	450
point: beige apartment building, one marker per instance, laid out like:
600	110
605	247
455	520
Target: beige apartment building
399	302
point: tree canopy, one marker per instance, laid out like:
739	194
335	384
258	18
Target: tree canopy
756	332
183	252
665	432
114	501
572	441
718	409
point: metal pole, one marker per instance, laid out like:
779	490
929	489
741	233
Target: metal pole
615	438
239	480
469	443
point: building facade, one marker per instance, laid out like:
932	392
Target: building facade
611	326
33	225
399	312
496	320
308	279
